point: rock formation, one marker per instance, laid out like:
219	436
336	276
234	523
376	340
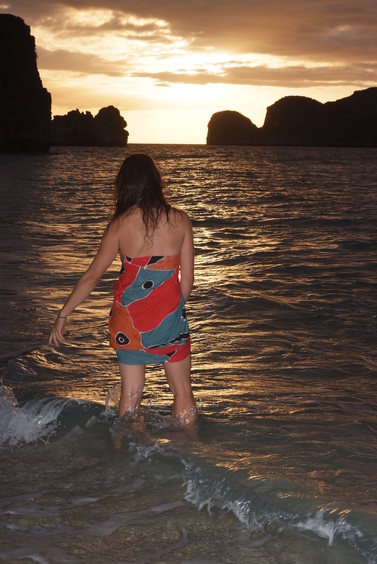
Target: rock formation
106	129
301	121
25	106
231	128
294	120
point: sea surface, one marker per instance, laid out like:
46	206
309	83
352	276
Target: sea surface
282	466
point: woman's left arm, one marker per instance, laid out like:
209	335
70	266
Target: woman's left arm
106	254
187	259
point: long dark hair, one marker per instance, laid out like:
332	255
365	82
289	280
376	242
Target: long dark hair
139	185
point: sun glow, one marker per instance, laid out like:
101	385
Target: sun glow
167	86
99	18
89	18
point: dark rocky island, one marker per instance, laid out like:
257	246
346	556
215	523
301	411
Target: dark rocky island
231	128
106	129
25	106
301	121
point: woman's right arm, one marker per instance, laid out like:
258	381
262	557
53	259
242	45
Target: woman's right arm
107	252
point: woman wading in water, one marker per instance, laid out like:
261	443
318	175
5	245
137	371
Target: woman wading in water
147	322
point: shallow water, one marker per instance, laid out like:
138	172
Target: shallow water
282	465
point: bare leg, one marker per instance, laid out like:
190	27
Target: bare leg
179	380
132	384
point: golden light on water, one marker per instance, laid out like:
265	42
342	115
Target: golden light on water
282	326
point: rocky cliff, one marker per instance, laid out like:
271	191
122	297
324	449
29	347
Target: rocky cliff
231	128
301	121
25	106
106	129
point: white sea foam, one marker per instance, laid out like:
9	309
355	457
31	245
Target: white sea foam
35	420
218	492
326	529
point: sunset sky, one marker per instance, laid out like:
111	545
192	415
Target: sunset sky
168	65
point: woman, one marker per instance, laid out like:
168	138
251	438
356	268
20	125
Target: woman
148	322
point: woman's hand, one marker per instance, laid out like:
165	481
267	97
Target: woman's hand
56	335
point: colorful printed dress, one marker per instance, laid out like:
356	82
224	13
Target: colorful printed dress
148	323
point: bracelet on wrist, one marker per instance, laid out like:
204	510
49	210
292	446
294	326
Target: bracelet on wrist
62	316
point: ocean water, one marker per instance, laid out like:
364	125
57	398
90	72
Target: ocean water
282	465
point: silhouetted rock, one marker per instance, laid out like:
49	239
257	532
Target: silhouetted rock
106	129
231	128
301	121
294	120
25	106
352	121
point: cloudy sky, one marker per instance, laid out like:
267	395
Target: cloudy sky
168	65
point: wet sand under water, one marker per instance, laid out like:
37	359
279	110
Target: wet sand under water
102	504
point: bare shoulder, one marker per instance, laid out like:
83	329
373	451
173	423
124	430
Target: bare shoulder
180	218
113	227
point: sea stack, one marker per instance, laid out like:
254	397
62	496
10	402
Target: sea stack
231	128
25	106
301	121
106	129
